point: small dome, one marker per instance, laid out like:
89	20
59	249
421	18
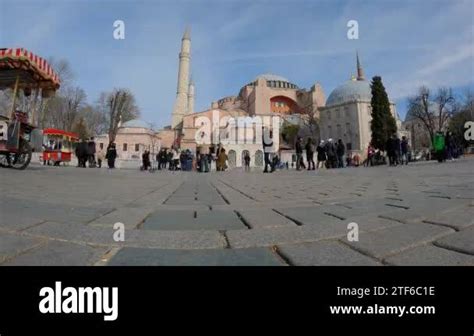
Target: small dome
349	91
135	123
271	77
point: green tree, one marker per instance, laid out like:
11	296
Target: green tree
383	123
289	132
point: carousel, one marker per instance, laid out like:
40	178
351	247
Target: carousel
20	69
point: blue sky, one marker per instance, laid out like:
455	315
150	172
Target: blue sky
408	43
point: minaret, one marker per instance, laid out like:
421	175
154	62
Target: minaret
181	102
191	97
360	71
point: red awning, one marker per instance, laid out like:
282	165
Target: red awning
55	131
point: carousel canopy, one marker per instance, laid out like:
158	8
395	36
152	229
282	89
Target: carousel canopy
32	70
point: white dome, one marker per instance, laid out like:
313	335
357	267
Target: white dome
271	77
135	123
350	91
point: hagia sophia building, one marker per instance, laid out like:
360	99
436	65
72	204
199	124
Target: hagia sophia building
345	114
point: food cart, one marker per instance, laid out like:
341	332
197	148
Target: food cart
20	69
58	145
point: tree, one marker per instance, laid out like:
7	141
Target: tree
119	106
383	124
457	122
80	128
289	132
432	111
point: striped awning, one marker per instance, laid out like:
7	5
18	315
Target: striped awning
32	70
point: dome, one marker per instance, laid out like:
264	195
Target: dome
135	123
271	77
349	91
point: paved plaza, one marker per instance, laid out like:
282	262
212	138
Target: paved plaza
421	214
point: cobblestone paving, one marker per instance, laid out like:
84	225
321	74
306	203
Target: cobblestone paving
421	214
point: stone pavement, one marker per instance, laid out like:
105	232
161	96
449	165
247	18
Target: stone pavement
421	214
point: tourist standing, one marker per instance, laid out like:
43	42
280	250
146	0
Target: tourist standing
310	153
91	152
299	152
111	155
404	149
340	150
331	154
370	156
321	154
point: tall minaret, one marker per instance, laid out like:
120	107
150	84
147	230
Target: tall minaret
360	71
181	102
191	97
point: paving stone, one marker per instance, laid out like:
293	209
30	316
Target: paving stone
58	253
285	235
395	239
261	218
140	238
193	220
218	257
459	218
309	215
462	241
130	217
12	245
431	256
16	221
324	253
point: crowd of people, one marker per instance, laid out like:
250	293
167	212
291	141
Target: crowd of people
327	154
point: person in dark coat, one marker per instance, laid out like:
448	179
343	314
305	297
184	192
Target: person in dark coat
340	150
310	153
299	152
146	160
397	148
331	154
321	154
390	147
111	155
91	152
404	148
81	153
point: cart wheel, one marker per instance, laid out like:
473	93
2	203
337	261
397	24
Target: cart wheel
22	159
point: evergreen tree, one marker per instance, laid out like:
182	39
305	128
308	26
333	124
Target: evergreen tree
383	124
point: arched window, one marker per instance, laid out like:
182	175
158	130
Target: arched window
232	157
259	158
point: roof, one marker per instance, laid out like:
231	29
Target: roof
136	123
350	91
272	77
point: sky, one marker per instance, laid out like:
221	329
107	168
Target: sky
408	43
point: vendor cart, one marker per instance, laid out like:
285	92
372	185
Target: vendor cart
20	69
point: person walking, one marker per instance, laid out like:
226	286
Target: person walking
340	151
299	152
247	161
100	158
267	141
370	156
310	153
221	160
321	154
111	155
